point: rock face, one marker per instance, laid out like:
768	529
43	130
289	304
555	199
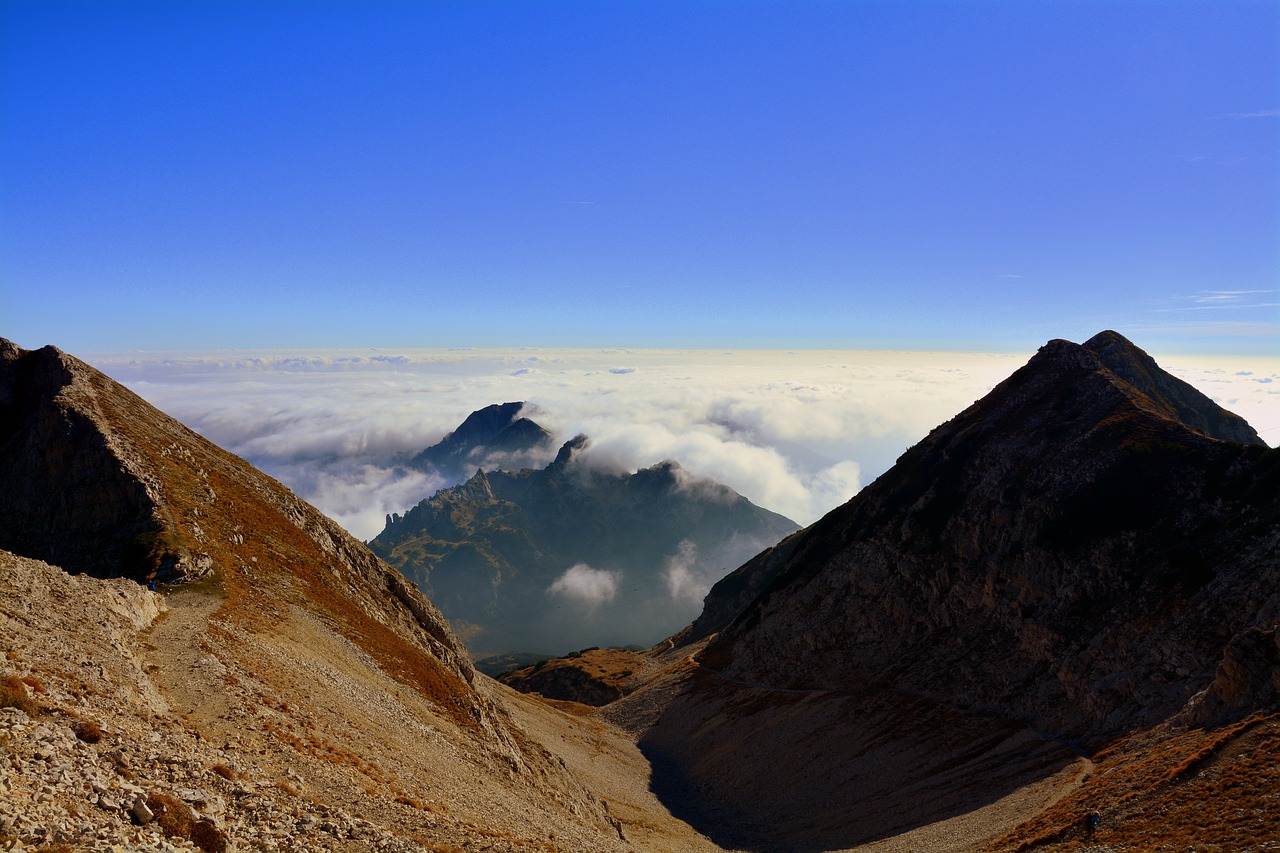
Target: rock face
1073	553
590	677
72	490
491	551
1170	395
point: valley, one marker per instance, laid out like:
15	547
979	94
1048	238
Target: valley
1052	625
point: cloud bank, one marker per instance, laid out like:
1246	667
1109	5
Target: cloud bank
796	432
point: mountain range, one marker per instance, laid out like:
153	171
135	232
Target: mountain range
568	555
1052	625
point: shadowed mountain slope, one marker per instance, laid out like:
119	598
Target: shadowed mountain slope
1092	549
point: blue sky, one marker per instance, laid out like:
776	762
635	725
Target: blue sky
913	175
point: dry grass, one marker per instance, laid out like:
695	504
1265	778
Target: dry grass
412	802
172	815
288	787
13	694
208	837
87	731
225	772
1209	790
318	747
176	819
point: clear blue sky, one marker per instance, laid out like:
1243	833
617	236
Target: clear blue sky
976	175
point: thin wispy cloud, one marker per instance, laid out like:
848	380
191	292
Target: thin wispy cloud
1209	300
1254	114
1212	306
1227	295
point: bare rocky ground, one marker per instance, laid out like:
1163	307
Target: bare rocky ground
193	708
286	740
950	785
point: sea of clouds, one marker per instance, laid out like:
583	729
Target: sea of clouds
795	432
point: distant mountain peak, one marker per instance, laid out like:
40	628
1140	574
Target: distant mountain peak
567	450
496	552
495	435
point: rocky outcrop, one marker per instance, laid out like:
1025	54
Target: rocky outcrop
1247	680
589	677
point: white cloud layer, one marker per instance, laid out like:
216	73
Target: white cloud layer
798	433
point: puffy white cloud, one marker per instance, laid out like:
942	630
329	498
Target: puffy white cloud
582	584
795	432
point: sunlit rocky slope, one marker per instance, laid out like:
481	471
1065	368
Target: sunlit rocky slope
294	694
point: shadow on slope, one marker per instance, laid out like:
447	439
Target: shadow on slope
762	769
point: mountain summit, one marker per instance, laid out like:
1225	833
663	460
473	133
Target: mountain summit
1173	398
1088	551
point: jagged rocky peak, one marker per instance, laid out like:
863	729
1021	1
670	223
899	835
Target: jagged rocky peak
475	489
567	451
497	431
